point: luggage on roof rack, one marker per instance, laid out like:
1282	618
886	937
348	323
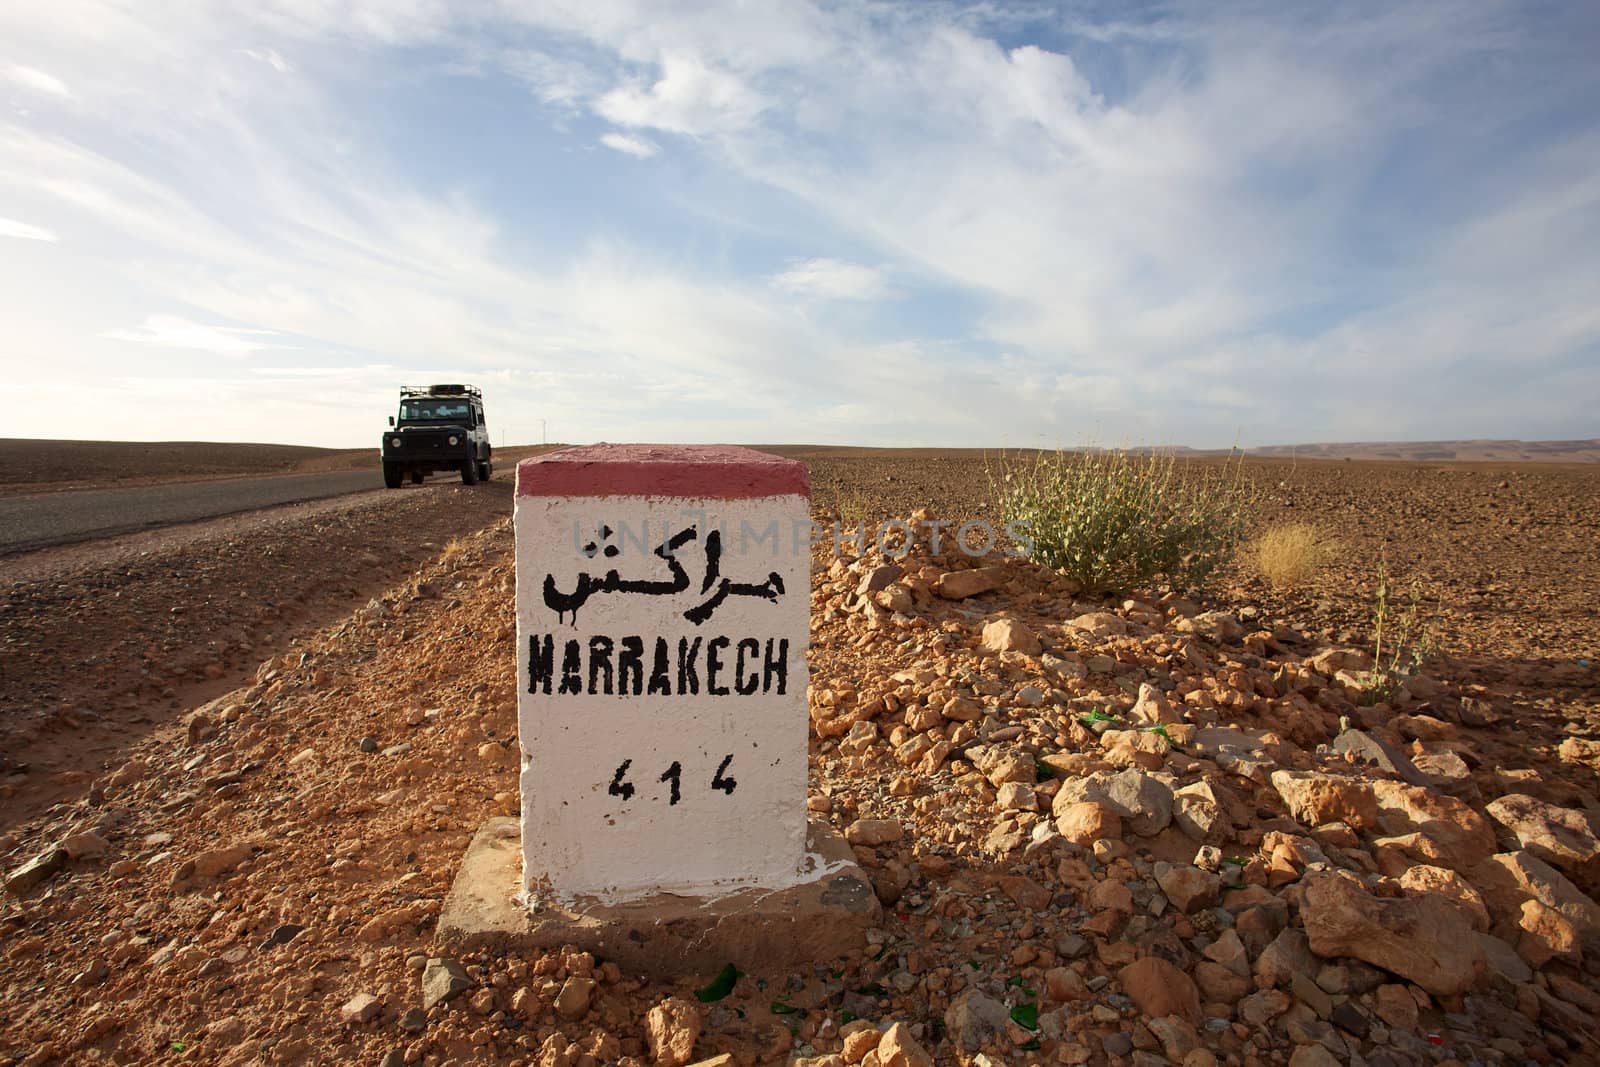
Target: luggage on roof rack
439	390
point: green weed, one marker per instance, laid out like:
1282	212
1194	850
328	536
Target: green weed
1402	639
1117	520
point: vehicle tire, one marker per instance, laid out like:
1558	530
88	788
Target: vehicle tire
484	470
392	475
469	472
416	477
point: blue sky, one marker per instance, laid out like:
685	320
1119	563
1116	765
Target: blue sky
921	223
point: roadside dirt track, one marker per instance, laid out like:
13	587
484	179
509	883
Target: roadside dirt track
101	641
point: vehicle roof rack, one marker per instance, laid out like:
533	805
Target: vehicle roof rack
408	391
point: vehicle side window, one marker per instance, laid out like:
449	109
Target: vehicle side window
481	420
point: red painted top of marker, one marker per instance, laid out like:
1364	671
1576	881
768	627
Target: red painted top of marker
711	472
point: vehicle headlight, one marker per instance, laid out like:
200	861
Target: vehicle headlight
453	440
394	442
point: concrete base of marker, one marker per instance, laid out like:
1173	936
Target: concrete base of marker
757	930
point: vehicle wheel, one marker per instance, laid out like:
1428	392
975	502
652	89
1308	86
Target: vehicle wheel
484	470
392	475
469	472
416	477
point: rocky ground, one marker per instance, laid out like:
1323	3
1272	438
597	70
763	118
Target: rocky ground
1135	829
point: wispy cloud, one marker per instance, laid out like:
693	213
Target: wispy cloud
13	228
1024	222
688	97
554	79
37	81
833	279
271	58
170	331
637	147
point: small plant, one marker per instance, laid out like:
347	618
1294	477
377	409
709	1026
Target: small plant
1402	639
1290	553
854	507
1233	869
1119	520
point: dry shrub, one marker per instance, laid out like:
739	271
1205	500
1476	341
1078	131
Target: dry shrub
1117	520
1288	554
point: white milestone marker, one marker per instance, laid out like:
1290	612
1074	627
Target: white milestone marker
663	602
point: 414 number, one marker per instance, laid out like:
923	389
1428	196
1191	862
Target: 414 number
621	787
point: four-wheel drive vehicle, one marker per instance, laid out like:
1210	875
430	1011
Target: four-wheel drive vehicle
440	428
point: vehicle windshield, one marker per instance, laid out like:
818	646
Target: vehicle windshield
435	411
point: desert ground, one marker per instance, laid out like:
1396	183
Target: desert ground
35	466
241	759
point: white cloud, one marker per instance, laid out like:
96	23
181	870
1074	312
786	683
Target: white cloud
689	98
170	331
115	194
1148	229
37	80
555	79
833	279
13	228
271	58
638	147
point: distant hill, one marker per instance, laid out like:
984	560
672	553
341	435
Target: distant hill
1480	451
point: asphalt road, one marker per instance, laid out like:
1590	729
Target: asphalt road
45	519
